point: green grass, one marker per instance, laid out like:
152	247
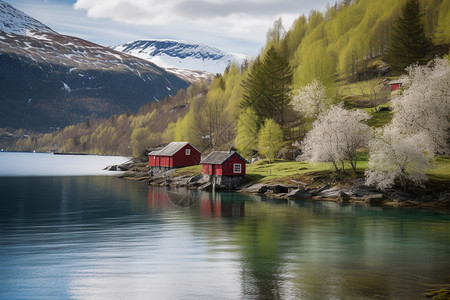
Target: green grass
439	175
357	94
379	119
188	171
281	168
290	172
287	172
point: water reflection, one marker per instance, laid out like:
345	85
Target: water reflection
100	237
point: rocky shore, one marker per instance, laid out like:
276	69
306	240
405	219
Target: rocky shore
357	192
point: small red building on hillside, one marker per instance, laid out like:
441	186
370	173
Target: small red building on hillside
224	163
395	84
174	155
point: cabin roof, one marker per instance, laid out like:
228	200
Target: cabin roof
154	152
171	149
219	157
399	81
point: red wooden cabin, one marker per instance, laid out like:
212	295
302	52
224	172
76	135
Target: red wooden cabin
395	85
175	155
224	163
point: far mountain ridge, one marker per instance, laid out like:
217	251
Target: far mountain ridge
53	80
15	21
179	56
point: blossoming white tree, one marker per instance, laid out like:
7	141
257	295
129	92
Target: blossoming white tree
425	105
311	100
419	129
336	136
394	155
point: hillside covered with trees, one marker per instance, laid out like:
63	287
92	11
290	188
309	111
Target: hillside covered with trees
328	71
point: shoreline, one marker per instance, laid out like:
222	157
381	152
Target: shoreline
354	193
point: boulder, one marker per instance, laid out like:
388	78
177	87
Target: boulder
360	192
125	166
206	187
196	178
329	193
111	168
276	189
343	197
323	188
374	199
298	194
253	188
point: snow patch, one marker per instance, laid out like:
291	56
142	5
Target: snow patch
171	54
15	21
66	87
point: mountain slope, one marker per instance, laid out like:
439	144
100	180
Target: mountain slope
15	21
52	80
180	55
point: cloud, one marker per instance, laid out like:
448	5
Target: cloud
226	19
194	12
238	26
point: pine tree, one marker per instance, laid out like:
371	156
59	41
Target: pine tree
408	44
267	87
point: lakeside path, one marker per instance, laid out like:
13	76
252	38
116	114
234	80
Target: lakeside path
300	181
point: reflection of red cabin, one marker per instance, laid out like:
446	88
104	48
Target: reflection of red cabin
224	163
175	155
157	198
217	208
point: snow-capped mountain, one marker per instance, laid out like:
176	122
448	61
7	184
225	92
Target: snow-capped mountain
15	21
181	56
53	80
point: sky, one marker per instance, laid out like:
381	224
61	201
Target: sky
236	26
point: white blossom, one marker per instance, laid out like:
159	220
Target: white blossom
419	129
424	106
336	136
311	100
394	155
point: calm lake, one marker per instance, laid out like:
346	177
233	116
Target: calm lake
100	237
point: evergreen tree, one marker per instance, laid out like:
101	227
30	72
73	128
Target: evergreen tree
267	87
408	44
253	90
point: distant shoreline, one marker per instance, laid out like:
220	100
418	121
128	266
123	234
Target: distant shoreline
69	153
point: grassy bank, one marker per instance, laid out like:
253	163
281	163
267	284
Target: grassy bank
297	173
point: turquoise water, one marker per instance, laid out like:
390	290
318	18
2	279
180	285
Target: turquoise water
96	237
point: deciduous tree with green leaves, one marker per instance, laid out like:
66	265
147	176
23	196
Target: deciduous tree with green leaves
247	132
270	139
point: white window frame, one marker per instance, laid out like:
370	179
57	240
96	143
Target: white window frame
237	168
188	151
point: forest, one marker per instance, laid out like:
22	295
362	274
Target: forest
313	93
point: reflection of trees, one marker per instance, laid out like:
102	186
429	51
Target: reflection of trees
266	236
315	250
